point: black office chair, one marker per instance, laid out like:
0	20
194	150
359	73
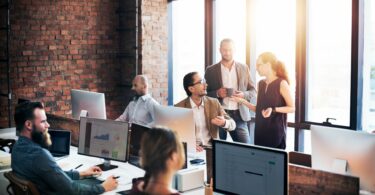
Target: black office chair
20	186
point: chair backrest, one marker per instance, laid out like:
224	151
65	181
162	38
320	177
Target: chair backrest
20	186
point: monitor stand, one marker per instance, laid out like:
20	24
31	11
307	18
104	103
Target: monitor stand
339	166
83	113
106	165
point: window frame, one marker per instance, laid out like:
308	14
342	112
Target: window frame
357	43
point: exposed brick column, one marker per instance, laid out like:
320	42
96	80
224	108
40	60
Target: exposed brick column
154	47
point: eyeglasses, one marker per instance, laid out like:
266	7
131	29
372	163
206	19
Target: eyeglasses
199	82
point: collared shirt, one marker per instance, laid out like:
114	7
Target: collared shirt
32	162
230	80
202	134
140	111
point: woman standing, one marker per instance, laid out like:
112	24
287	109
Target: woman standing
274	101
162	154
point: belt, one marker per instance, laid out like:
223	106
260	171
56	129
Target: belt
232	112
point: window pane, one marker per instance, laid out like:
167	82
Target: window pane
329	60
275	33
368	107
230	22
188	42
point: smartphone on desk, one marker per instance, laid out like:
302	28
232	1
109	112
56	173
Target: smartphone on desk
196	161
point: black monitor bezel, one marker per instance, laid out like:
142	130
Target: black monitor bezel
131	127
65	134
252	147
127	144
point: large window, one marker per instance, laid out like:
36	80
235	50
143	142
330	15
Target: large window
188	42
329	61
230	22
320	52
274	24
368	106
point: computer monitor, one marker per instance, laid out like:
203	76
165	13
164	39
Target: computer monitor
180	120
248	169
91	103
136	134
344	151
106	139
60	142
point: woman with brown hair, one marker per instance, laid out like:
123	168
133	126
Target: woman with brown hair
162	154
274	101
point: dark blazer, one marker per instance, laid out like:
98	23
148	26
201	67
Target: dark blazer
212	109
245	84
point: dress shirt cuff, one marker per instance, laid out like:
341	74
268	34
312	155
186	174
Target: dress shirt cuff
226	125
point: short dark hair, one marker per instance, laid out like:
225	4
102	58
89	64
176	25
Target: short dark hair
188	81
25	111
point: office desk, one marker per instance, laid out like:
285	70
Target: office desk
126	171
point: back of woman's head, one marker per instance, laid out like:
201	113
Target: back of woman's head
277	66
157	146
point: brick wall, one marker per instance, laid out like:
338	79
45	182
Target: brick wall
3	68
57	46
154	44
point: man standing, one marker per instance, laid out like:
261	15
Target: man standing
33	162
208	113
230	78
141	109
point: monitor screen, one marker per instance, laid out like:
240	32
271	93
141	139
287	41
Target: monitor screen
92	102
248	169
60	142
103	138
344	151
180	120
136	133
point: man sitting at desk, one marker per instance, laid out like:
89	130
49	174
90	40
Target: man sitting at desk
141	109
207	111
33	162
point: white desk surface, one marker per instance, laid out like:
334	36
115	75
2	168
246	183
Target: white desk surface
8	133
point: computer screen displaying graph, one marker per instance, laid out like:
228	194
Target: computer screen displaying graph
103	138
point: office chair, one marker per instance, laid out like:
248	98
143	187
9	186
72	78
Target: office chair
20	186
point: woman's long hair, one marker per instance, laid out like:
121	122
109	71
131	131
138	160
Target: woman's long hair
277	66
157	146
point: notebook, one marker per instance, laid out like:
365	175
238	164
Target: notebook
60	143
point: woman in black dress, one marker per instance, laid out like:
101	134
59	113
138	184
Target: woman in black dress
274	101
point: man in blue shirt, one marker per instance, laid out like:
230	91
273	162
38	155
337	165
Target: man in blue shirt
32	161
141	109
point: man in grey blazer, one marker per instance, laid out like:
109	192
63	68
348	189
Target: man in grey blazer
230	78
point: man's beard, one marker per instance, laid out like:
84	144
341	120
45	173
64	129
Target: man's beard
43	139
203	93
227	58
